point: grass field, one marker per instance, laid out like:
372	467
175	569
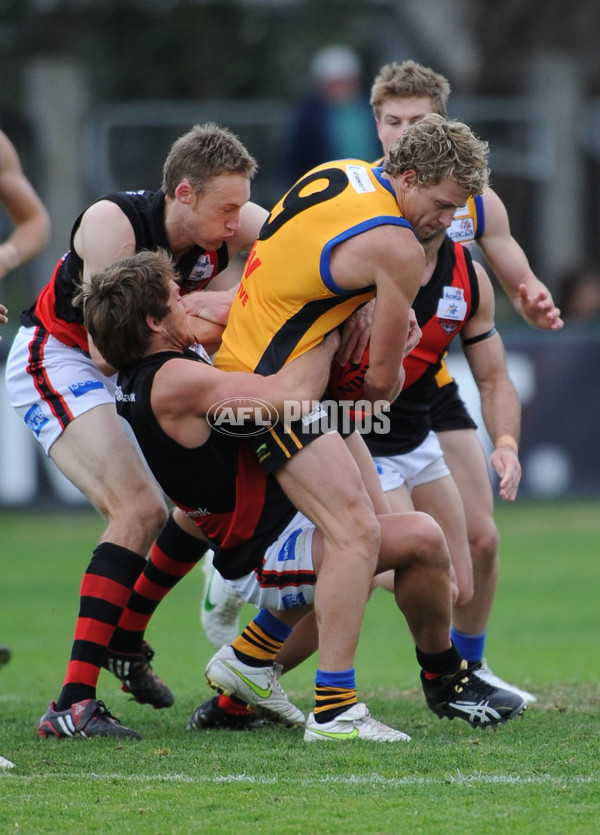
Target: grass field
540	774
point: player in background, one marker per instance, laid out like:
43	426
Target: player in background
401	95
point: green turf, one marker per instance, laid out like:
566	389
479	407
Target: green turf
537	775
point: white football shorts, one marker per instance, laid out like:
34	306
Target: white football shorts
286	579
423	464
61	385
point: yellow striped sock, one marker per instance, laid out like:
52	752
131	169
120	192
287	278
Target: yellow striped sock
257	644
333	699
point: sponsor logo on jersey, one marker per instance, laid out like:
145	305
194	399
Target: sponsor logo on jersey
201	272
453	293
121	397
461	229
293	601
359	179
451	310
35	419
79	389
200	350
316	413
288	549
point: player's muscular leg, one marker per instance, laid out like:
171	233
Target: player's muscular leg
401	501
466	459
97	456
369	474
324	482
413	545
441	499
414	555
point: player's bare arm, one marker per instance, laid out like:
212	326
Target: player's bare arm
500	405
31	221
390	259
355	334
105	235
184	392
213	302
212	305
530	297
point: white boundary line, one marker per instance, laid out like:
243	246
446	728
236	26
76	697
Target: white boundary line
351	780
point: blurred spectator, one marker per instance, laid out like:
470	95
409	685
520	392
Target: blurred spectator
335	120
578	294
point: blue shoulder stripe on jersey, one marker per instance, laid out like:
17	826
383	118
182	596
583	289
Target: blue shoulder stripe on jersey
378	173
324	266
480	216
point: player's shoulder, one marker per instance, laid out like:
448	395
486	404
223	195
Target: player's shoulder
387	241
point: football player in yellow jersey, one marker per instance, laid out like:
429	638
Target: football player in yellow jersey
402	95
303	279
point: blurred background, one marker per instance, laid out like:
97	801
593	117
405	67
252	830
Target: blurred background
93	92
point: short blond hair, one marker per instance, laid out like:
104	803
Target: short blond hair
437	149
203	153
409	80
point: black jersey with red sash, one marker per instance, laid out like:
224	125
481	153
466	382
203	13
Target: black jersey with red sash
220	485
442	307
54	309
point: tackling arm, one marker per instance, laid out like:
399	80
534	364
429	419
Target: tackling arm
183	393
390	259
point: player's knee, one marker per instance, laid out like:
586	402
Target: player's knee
142	516
453	589
484	543
157	517
433	549
367	530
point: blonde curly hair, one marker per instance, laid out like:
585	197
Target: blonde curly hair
437	149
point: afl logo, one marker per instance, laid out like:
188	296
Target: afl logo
246	416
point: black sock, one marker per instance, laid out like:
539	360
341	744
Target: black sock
439	663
